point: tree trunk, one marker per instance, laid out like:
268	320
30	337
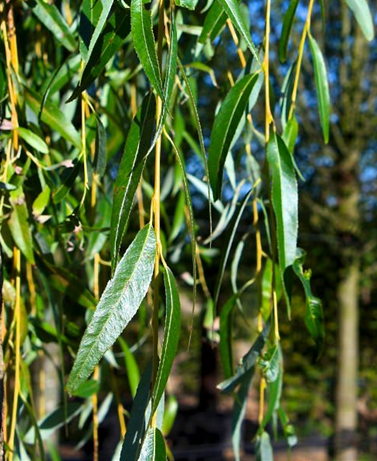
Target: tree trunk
348	226
348	362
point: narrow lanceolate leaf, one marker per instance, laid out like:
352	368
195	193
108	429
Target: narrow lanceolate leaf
226	340
225	127
287	28
153	447
118	304
314	311
171	71
213	23
33	140
106	7
130	171
363	16
144	43
54	117
171	336
19	224
138	419
322	86
239	410
90	12
284	199
51	18
247	362
233	10
112	37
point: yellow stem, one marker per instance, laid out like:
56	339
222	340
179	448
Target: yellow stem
276	319
266	68
17	320
299	59
31	284
95	417
262	388
236	42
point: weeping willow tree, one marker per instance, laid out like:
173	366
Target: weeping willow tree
107	137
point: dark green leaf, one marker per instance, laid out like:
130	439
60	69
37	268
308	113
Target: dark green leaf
213	23
89	14
111	39
287	28
54	117
130	172
273	395
266	292
322	86
138	419
68	178
225	127
363	16
314	311
106	7
239	410
51	18
247	362
144	43
284	199
118	304
19	224
226	340
171	336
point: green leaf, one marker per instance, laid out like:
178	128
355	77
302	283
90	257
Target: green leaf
41	201
111	39
363	16
233	10
19	224
130	172
284	199
239	410
89	14
247	362
138	419
171	71
53	117
144	43
322	86
87	389
51	18
314	311
213	23
270	364
33	140
287	28
153	447
170	414
225	127
118	304
171	336
227	245
100	160
68	178
226	339
266	291
133	373
263	448
106	7
189	4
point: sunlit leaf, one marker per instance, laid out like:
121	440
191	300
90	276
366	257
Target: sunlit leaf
118	304
363	16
